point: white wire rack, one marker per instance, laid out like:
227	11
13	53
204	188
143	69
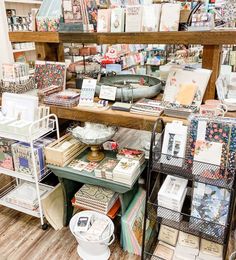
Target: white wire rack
36	130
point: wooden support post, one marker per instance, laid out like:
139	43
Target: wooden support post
49	51
211	60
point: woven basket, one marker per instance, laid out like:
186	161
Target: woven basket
13	87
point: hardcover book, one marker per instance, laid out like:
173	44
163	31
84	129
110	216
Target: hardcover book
6	157
23	159
117	20
133	18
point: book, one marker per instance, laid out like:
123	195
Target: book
49	73
117	20
211	203
106	167
170	15
6	156
133	18
25	195
126	167
121	106
147	107
168	235
23	158
151	17
104	20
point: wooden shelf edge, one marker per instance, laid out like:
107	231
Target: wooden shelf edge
45	37
204	38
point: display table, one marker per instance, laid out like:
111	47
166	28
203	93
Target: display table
71	180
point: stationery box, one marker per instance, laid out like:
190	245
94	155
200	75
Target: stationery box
117	20
170	15
6	157
104	20
133	18
23	160
151	18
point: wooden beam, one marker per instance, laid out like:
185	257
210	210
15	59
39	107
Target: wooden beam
211	60
34	37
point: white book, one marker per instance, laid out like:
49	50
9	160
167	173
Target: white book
126	167
151	18
133	18
117	20
170	14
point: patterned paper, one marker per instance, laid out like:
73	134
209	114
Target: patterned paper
50	73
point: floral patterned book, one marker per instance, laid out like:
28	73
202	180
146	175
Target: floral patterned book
210	203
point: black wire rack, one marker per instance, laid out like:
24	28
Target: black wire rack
160	165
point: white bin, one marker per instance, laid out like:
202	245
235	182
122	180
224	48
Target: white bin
93	250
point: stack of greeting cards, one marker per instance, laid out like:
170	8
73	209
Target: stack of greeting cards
210	203
171	196
64	98
95	198
187	246
210	251
105	168
25	195
147	107
81	165
133	154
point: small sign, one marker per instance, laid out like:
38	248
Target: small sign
107	92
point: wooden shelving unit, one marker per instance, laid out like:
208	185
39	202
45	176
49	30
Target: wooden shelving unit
204	38
49	45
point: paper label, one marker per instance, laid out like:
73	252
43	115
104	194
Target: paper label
107	92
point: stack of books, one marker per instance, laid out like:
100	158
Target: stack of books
187	247
126	171
25	195
105	168
95	198
147	107
171	196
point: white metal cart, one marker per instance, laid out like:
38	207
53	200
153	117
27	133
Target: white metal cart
36	131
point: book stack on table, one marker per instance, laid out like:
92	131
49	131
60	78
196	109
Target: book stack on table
129	166
95	198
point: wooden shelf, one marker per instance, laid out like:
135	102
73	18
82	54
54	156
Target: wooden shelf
204	38
24	50
24	2
45	37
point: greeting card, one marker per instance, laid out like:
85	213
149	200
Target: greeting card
133	18
170	14
117	19
151	18
104	20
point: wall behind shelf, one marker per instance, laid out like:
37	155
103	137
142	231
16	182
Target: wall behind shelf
6	49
